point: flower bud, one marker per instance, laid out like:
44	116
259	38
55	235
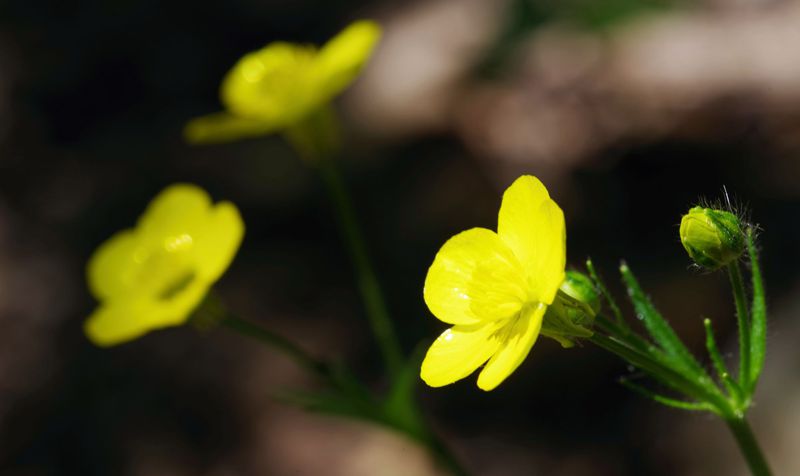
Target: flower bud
713	238
572	313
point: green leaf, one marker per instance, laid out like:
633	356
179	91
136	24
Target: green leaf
662	372
664	400
719	364
758	332
612	303
659	329
400	407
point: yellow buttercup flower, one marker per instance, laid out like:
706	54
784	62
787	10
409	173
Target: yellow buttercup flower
154	275
283	83
495	288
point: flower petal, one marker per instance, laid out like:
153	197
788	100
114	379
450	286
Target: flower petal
517	340
342	58
458	352
532	225
176	211
123	320
474	278
110	264
275	84
224	127
219	240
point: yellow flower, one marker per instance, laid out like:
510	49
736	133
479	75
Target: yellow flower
154	275
495	288
283	83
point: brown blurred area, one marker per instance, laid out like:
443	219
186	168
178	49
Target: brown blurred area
629	111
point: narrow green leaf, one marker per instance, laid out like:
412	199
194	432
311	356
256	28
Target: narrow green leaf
612	303
400	406
743	322
659	329
613	329
758	323
663	373
719	364
664	400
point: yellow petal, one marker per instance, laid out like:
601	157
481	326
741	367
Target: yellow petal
111	265
224	127
274	84
176	211
474	278
342	58
517	339
219	240
123	320
458	352
532	225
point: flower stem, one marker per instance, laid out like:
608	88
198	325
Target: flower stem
316	139
743	320
749	446
367	281
279	343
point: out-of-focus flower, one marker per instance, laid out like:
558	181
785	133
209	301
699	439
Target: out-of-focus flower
154	275
283	83
495	288
713	238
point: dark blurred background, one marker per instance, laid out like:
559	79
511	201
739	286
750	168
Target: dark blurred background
629	111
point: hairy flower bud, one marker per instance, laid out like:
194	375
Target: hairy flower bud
572	313
713	238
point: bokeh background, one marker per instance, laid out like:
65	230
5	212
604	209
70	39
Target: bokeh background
629	110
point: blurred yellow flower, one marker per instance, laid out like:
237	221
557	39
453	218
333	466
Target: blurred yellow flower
495	288
282	83
154	275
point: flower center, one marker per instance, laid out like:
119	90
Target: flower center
272	84
166	267
174	288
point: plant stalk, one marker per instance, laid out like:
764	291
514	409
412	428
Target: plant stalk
749	446
743	321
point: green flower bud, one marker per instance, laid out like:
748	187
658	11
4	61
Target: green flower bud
572	313
713	238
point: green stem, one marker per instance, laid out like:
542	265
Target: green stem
758	316
743	321
664	374
279	343
367	281
749	446
317	140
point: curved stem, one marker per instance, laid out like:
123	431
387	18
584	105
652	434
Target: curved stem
279	343
749	446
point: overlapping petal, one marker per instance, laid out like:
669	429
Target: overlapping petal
532	225
516	342
458	352
473	278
